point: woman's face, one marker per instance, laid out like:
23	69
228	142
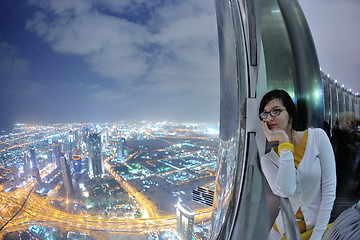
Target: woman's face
280	122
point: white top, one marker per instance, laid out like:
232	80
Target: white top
311	186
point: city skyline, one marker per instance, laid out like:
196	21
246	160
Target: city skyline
105	61
149	166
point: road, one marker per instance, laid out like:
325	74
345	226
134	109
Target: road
38	210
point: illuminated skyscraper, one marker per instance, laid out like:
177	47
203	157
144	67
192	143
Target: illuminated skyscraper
56	152
124	147
26	163
185	221
76	160
66	174
85	138
96	165
50	152
16	175
105	135
34	168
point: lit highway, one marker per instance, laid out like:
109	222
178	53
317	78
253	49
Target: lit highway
148	208
38	210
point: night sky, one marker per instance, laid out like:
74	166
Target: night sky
110	60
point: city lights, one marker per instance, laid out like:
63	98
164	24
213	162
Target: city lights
114	178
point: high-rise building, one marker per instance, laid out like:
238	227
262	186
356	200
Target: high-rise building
66	174
50	152
34	167
203	196
50	158
120	145
76	160
185	221
26	163
96	165
105	135
124	147
85	138
16	175
56	147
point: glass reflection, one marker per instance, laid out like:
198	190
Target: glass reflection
233	72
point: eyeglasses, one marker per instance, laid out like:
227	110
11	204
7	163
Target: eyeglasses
274	112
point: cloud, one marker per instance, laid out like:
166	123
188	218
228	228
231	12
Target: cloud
108	95
14	71
93	87
64	7
11	64
173	47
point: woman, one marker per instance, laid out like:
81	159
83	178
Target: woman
301	167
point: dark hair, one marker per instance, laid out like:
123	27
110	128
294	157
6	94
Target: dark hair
285	99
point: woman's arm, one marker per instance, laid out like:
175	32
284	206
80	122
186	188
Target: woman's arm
282	175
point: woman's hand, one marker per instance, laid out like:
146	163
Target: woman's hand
274	135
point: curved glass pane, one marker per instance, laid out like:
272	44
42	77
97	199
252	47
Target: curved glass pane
233	75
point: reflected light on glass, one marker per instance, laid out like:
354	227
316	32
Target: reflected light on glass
213	131
275	11
316	95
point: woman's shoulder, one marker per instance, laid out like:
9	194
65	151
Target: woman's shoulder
316	132
317	136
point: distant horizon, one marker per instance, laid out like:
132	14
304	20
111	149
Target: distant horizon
110	122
